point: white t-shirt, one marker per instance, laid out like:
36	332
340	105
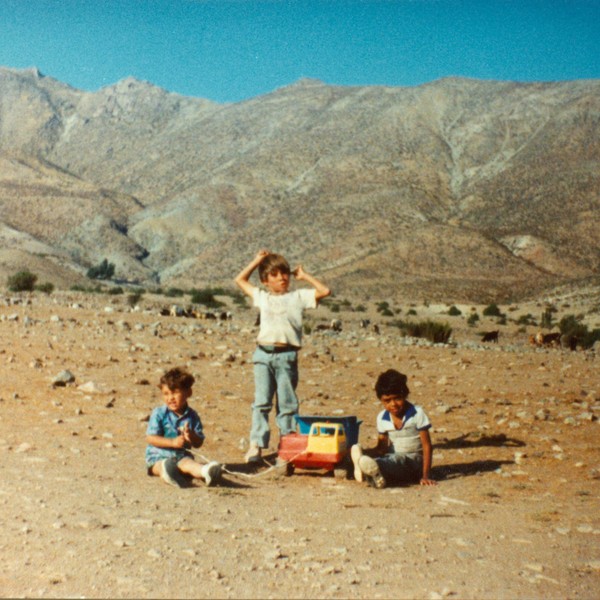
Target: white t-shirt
406	440
281	315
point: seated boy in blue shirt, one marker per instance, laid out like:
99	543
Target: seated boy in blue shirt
174	428
404	451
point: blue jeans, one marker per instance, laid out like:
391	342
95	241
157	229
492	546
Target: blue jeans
274	373
400	468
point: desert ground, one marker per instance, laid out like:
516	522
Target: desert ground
515	514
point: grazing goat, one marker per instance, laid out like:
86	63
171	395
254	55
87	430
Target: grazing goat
335	325
490	336
547	339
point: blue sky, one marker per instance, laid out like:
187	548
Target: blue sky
230	50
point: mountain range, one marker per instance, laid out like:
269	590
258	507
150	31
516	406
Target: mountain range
456	189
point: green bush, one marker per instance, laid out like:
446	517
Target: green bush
23	281
527	319
174	292
383	306
547	320
115	291
206	298
571	325
453	311
492	310
473	318
104	270
46	288
438	333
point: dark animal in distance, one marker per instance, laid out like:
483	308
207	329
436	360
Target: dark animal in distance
490	336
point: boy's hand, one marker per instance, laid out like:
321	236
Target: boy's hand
427	481
179	442
299	273
261	255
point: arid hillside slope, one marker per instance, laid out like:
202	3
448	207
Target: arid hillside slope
454	189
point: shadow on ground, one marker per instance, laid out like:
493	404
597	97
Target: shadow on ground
478	440
467	469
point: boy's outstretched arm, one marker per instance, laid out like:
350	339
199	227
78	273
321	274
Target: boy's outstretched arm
243	278
427	456
321	290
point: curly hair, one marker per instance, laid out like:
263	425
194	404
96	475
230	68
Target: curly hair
177	379
392	382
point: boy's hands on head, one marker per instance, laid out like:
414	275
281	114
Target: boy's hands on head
261	255
299	273
321	290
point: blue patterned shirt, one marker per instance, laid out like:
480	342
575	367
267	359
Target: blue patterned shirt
166	423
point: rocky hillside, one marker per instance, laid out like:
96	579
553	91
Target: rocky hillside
454	189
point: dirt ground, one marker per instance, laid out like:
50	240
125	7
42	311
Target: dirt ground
515	513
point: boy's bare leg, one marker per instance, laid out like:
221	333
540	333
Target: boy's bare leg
190	467
169	472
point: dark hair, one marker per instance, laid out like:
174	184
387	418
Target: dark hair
391	382
271	264
177	379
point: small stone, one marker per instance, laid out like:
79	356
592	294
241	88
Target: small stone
63	378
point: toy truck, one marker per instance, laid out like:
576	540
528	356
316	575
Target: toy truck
320	443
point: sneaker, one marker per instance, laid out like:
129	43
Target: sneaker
171	474
211	473
370	469
355	453
253	455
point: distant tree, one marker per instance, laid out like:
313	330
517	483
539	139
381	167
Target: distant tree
453	311
104	270
23	281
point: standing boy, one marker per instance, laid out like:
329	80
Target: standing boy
404	449
174	428
280	337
